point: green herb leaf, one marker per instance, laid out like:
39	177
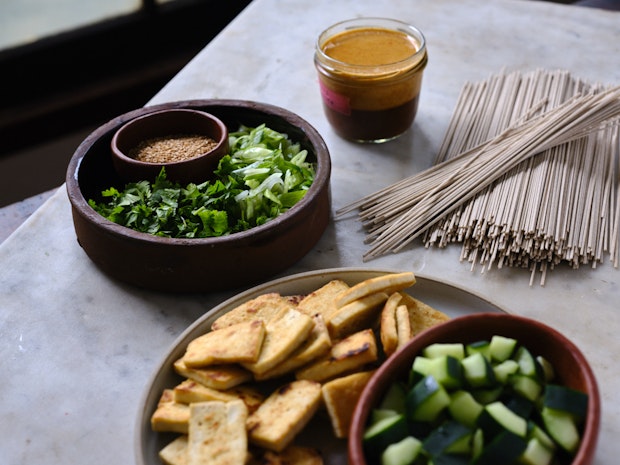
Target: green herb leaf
264	175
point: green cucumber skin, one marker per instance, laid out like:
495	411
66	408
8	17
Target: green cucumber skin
444	436
505	448
566	399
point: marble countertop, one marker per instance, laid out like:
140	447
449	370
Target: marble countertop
77	348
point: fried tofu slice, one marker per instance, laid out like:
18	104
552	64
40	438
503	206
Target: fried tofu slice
284	333
170	416
317	344
421	315
403	325
356	315
220	377
236	343
323	300
175	452
348	355
190	391
387	283
263	307
292	455
340	396
217	433
388	332
284	414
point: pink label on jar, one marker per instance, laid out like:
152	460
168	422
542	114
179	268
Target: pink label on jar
334	100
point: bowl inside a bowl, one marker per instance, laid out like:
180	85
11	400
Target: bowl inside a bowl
570	365
171	124
199	264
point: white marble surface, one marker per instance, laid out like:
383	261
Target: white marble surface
76	348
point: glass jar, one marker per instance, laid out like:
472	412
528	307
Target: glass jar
370	76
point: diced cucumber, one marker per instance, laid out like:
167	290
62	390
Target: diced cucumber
489	402
446	369
422	365
505	448
547	368
478	371
504	369
501	348
440	349
479	347
520	405
462	446
528	365
403	452
477	443
562	428
426	400
384	432
496	417
535	431
464	408
526	386
394	398
486	396
378	414
566	399
446	436
536	454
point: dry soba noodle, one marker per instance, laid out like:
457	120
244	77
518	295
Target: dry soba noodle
526	177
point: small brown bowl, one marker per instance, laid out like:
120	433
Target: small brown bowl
169	123
198	264
571	369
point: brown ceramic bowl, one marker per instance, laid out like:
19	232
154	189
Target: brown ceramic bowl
169	123
198	265
571	367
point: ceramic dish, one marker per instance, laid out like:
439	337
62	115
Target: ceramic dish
199	264
447	298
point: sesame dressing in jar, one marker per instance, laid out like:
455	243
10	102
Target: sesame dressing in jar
370	75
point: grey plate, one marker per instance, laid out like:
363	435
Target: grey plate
448	298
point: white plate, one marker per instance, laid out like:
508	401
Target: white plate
445	297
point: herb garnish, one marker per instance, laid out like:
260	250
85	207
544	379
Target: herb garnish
263	176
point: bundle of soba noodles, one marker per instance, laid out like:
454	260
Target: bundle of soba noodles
526	176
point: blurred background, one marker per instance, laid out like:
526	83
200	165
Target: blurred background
68	66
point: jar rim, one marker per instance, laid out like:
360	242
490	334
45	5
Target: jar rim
376	23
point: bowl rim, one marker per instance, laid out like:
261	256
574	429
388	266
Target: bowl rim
376	385
321	181
124	158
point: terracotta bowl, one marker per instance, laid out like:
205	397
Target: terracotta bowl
162	124
571	367
198	265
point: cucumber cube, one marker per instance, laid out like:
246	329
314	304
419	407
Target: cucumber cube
464	408
439	349
496	418
478	371
479	347
566	399
504	369
501	348
426	400
561	427
403	452
445	437
536	453
506	447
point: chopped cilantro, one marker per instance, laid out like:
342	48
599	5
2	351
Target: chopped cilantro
263	176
